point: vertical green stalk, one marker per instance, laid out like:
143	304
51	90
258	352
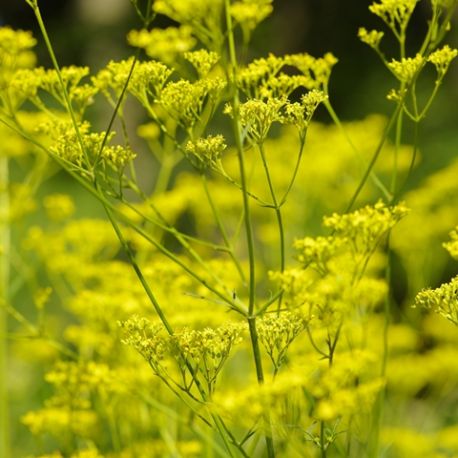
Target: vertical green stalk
322	447
241	157
5	242
247	217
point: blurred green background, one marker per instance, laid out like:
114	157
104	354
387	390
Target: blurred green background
88	32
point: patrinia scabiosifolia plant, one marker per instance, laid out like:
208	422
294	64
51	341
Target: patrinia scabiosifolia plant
195	333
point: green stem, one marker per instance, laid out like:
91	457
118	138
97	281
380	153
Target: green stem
116	109
278	216
397	146
322	447
247	216
5	243
222	229
276	208
430	100
241	157
172	230
227	177
375	156
178	235
146	287
338	123
295	171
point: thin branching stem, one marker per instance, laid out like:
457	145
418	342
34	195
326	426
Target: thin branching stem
247	217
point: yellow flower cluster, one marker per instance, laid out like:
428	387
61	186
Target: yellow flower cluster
442	300
257	116
185	101
147	80
202	60
366	227
203	17
395	13
248	405
316	70
263	78
300	114
407	68
371	38
250	13
319	392
256	74
14	42
77	244
407	441
206	152
441	59
318	251
29	83
66	145
267	89
196	353
78	379
433	369
277	332
335	283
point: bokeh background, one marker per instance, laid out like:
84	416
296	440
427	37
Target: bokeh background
88	32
